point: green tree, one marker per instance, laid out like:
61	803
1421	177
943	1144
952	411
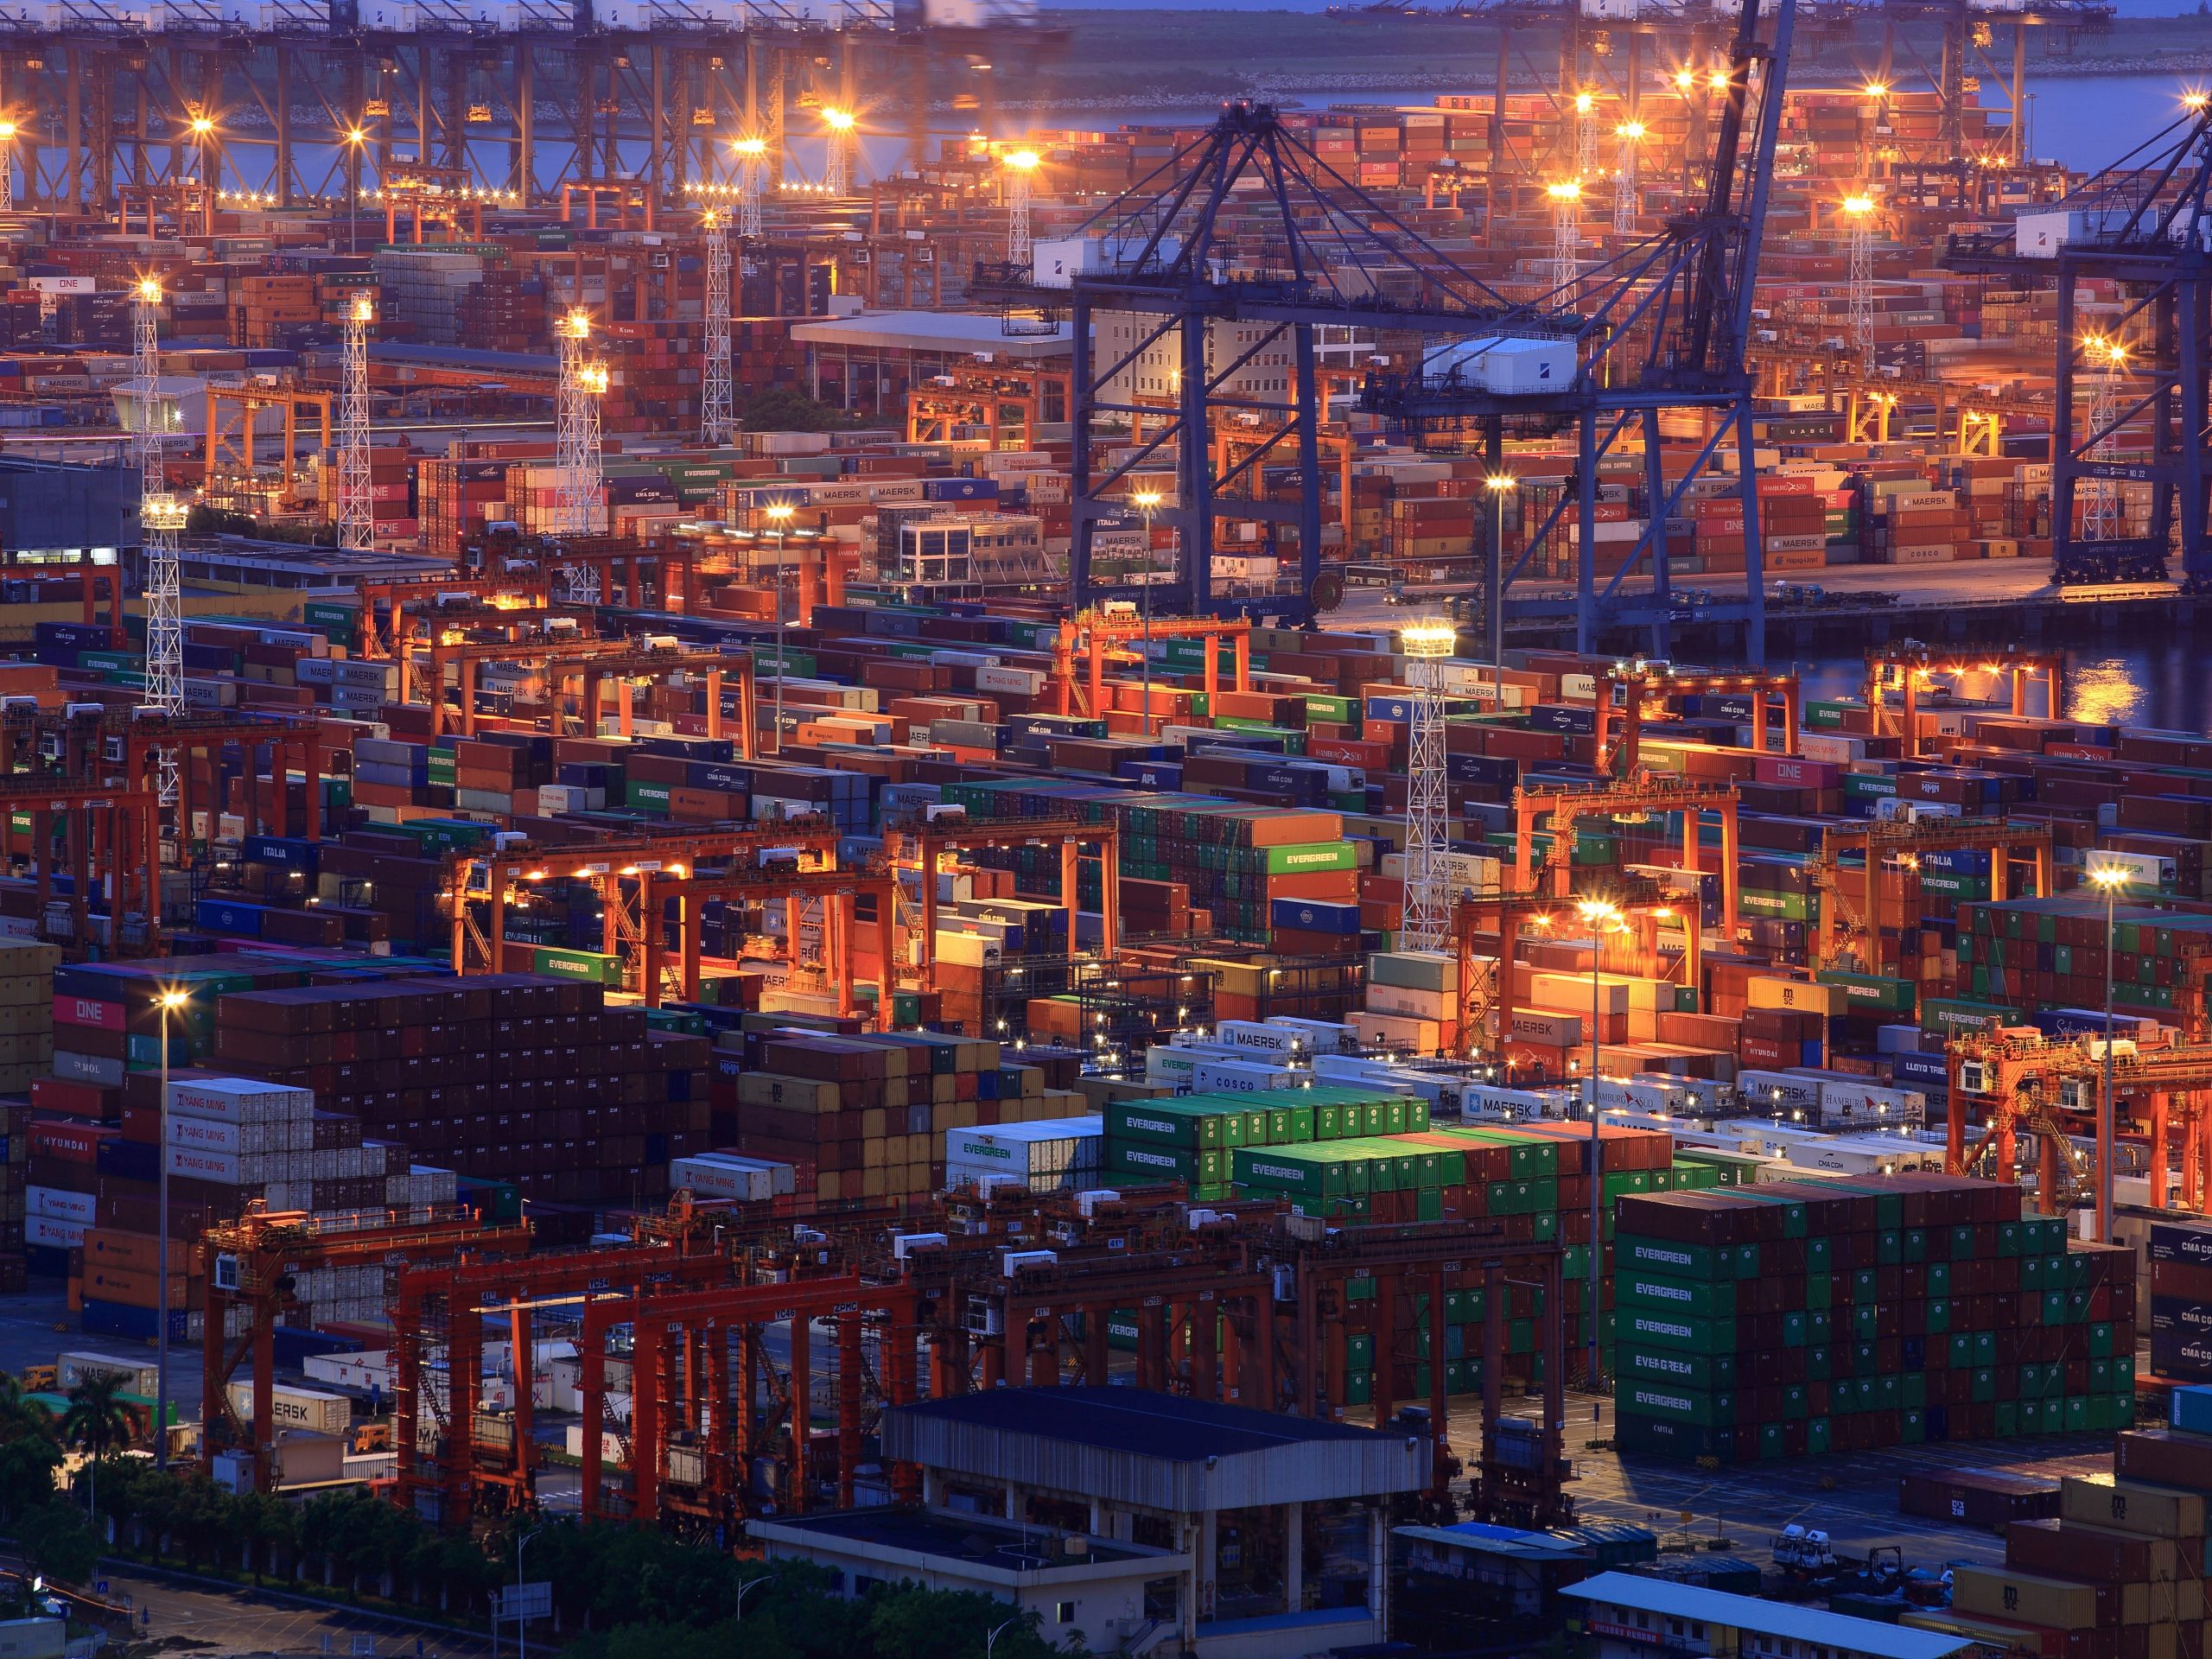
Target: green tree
19	1415
908	1622
785	410
59	1541
98	1421
27	1465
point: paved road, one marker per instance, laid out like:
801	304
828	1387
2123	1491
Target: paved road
190	1618
1851	1495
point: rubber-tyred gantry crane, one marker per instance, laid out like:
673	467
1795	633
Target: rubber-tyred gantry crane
1106	631
921	849
252	1264
1890	855
1648	689
1487	999
1912	670
412	602
594	663
1560	809
505	878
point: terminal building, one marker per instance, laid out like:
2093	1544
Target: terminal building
1136	1519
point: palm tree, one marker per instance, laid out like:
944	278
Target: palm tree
98	1420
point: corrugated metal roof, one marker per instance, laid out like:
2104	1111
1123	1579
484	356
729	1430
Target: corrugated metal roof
1666	1600
1157	1451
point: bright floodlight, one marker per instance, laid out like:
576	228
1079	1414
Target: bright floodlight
7	130
357	134
1629	129
1584	103
1877	89
1565	190
2105	878
1432	636
1146	501
201	126
841	119
1859	206
2196	100
780	511
149	290
1595	911
364	309
1024	160
1717	81
1499	483
1684	80
577	324
750	146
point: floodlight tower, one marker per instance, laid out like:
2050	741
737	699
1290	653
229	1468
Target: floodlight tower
8	166
1631	133
1567	238
837	174
752	164
1586	136
717	396
576	509
1020	171
356	516
161	516
1859	214
1426	921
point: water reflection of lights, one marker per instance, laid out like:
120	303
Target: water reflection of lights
2103	693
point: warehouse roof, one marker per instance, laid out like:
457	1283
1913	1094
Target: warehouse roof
954	333
1155	1451
1847	1634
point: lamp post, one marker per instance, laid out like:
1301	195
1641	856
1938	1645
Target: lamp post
1148	503
1600	915
2109	878
781	516
356	136
992	1640
168	1002
1500	484
211	168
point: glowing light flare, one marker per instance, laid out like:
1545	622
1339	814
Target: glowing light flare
1584	103
2109	878
1565	190
1499	483
1024	160
750	147
1629	129
149	290
1858	207
201	126
840	120
1431	637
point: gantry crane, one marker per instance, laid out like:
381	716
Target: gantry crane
1179	278
1663	325
2022	1080
1912	669
1890	854
1487	1000
830	893
1560	809
920	848
594	664
252	1265
2146	225
1643	685
411	601
504	877
1103	630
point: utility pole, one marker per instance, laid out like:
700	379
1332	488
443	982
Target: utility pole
356	513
